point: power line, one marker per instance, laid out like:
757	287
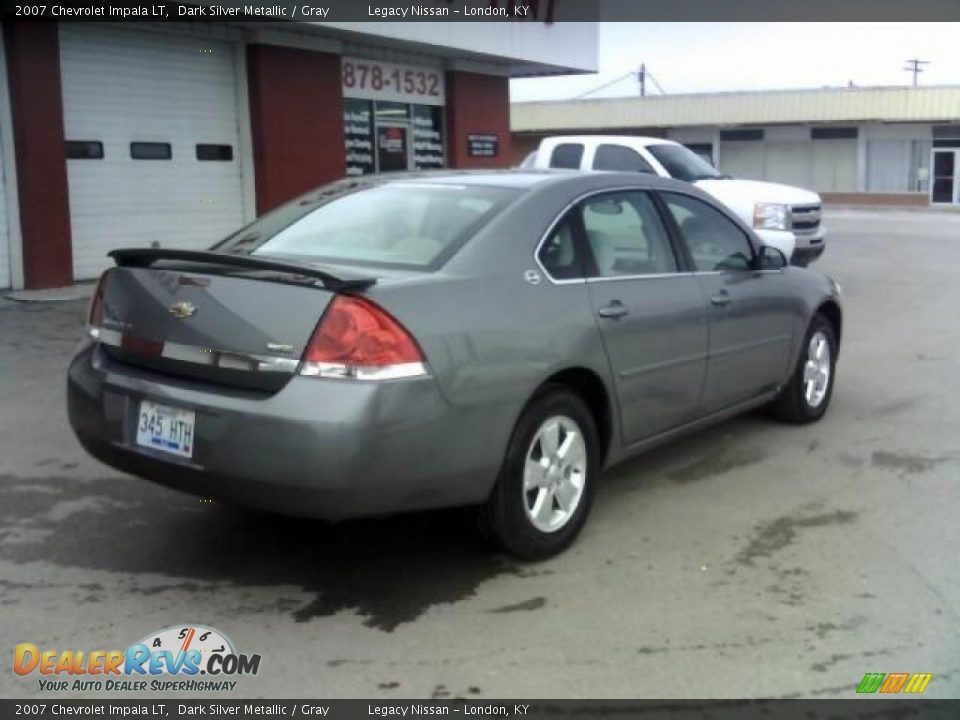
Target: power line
604	86
641	75
913	66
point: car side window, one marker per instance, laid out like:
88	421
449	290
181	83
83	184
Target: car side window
567	155
559	253
623	159
714	241
626	236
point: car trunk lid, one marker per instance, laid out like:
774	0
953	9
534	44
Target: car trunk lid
233	320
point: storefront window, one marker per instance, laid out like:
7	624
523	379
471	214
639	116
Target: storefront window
393	115
384	136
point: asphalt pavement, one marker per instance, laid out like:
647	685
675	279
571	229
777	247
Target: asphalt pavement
753	559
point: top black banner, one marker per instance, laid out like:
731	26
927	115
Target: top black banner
544	11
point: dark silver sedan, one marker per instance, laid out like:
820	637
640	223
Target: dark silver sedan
421	341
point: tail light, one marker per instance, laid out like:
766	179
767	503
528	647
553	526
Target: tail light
358	339
95	312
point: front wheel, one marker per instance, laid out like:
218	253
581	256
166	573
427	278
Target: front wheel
545	488
807	395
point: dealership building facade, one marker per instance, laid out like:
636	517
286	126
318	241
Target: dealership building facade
132	134
896	145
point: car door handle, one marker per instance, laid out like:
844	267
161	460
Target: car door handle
615	309
721	298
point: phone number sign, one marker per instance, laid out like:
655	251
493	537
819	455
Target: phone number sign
375	80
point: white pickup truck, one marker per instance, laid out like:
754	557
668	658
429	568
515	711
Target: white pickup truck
788	218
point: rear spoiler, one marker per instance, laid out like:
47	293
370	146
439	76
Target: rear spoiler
332	280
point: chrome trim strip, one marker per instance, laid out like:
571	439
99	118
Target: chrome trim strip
340	371
651	276
210	357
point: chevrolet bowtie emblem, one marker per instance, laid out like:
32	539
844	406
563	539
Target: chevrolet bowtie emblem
182	310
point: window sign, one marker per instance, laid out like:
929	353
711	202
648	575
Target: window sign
375	80
482	145
358	136
428	137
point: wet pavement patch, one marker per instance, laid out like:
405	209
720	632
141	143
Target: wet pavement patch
907	464
770	537
389	571
717	464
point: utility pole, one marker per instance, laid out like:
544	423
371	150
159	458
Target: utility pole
642	79
913	66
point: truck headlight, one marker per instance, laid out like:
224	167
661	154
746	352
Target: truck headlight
771	216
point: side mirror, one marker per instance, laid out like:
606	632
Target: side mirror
771	258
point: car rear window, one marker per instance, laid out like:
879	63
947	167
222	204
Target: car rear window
402	224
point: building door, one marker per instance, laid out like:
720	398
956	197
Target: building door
393	148
945	188
152	126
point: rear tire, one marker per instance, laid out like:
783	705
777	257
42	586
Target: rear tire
806	397
544	490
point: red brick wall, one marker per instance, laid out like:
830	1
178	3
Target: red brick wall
296	120
33	67
477	104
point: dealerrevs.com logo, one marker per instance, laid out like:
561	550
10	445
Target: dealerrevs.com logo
182	658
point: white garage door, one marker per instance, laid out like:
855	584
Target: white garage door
789	163
742	159
835	165
153	141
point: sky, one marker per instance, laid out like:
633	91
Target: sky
714	57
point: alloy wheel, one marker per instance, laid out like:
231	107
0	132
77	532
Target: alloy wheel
816	370
554	473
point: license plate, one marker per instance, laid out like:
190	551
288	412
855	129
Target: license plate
165	428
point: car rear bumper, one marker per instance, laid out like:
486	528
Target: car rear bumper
318	448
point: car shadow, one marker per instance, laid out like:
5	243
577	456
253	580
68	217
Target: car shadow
387	570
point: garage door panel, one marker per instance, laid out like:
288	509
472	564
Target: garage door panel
124	86
789	163
742	159
835	165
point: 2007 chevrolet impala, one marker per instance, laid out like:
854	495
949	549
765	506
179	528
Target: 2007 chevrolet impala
418	341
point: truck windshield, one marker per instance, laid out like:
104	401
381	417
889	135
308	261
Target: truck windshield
684	164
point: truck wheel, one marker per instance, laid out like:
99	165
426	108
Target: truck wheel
545	488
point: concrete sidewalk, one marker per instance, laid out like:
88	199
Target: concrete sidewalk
78	291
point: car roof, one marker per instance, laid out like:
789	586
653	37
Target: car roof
525	178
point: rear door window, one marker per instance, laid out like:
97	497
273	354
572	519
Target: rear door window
567	155
619	158
560	253
626	236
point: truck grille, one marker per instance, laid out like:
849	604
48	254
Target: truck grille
806	219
